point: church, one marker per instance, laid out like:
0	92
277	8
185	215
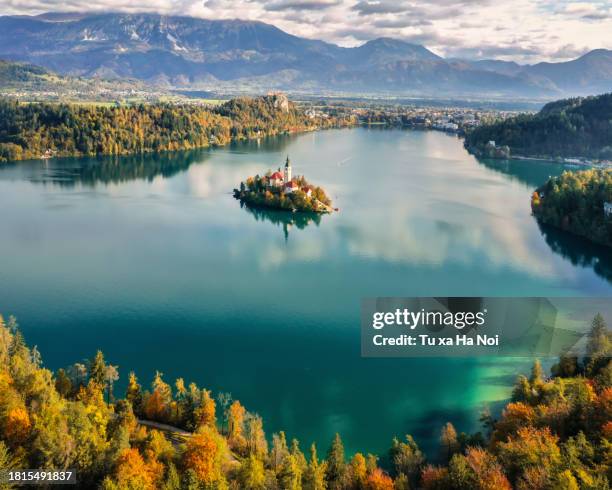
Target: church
284	180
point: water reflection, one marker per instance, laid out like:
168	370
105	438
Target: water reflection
284	219
69	172
579	251
533	173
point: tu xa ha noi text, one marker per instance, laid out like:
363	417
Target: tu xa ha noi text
435	321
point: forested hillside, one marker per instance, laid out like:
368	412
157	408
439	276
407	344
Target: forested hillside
33	130
579	127
575	201
555	434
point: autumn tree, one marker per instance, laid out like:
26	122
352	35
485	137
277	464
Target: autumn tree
131	472
63	385
537	373
204	454
336	465
252	475
97	369
134	393
449	444
279	450
378	480
407	458
314	477
435	478
205	414
530	448
297	453
522	389
514	416
290	473
255	436
235	419
477	470
357	471
157	404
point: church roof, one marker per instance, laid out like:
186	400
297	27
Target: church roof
276	175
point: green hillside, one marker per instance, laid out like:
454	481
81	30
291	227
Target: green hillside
33	83
580	127
575	202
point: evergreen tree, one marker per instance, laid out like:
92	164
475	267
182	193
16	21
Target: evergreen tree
336	465
314	477
134	393
97	369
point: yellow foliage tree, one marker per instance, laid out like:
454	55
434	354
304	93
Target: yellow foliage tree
235	423
205	414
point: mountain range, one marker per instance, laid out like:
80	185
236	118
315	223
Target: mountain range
202	54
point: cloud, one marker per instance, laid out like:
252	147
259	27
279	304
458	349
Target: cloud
521	30
400	22
494	51
570	51
367	7
589	11
301	5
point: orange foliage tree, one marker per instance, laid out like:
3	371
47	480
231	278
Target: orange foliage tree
434	478
131	471
204	455
17	426
378	480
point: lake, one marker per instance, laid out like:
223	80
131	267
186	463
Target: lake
152	260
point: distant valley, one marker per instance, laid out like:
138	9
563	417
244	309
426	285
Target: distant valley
244	56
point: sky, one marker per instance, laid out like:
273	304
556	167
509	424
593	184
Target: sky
517	30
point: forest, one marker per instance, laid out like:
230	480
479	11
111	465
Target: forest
555	433
580	127
575	202
34	130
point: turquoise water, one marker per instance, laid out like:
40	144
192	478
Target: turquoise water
151	260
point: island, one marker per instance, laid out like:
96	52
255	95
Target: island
280	190
578	202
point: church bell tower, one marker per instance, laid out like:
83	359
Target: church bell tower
287	170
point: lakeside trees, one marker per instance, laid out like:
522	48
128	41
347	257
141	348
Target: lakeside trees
31	130
555	433
575	202
580	127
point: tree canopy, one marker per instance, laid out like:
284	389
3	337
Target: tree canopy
580	127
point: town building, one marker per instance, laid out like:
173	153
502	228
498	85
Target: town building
276	179
291	187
